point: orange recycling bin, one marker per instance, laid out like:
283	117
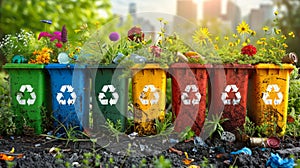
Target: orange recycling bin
189	85
268	96
149	96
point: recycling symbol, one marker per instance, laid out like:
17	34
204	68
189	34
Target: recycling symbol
228	89
60	97
102	96
145	99
266	95
185	97
29	101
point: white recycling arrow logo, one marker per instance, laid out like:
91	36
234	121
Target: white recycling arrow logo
185	97
143	98
266	95
234	89
29	101
102	96
60	97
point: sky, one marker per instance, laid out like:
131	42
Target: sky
169	6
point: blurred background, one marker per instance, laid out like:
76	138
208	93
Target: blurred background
220	16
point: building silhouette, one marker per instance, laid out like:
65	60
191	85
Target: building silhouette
212	9
261	16
187	9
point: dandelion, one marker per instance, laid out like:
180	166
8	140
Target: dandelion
243	28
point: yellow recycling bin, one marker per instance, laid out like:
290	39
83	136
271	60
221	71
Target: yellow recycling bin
149	97
268	96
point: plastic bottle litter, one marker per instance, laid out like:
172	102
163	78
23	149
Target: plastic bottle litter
63	58
258	142
199	142
117	59
137	59
244	150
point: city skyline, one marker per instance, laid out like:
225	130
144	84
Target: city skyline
121	7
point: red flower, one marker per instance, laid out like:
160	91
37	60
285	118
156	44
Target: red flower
58	45
136	34
249	50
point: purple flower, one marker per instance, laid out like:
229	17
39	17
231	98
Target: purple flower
64	34
114	36
44	34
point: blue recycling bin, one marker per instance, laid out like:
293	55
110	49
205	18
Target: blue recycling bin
70	95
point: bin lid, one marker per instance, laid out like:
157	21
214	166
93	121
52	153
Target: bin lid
274	66
64	66
190	65
149	66
23	66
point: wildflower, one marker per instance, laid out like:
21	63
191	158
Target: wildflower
277	31
276	13
56	36
64	34
114	36
226	38
243	28
58	45
155	50
292	34
285	45
249	50
265	28
44	34
201	36
136	34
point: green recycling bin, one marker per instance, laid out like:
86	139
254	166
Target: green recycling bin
28	91
109	95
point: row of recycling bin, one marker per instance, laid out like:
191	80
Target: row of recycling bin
70	91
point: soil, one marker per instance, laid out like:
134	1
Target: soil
129	151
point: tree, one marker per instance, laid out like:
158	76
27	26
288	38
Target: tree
26	14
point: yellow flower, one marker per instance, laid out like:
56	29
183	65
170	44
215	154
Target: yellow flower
226	38
248	40
231	44
276	13
292	34
283	37
252	32
285	45
243	28
170	41
217	38
201	36
131	47
244	44
234	36
278	31
265	28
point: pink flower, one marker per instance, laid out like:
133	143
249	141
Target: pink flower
56	36
156	50
44	34
249	50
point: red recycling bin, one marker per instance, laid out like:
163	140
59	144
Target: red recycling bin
189	84
228	88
